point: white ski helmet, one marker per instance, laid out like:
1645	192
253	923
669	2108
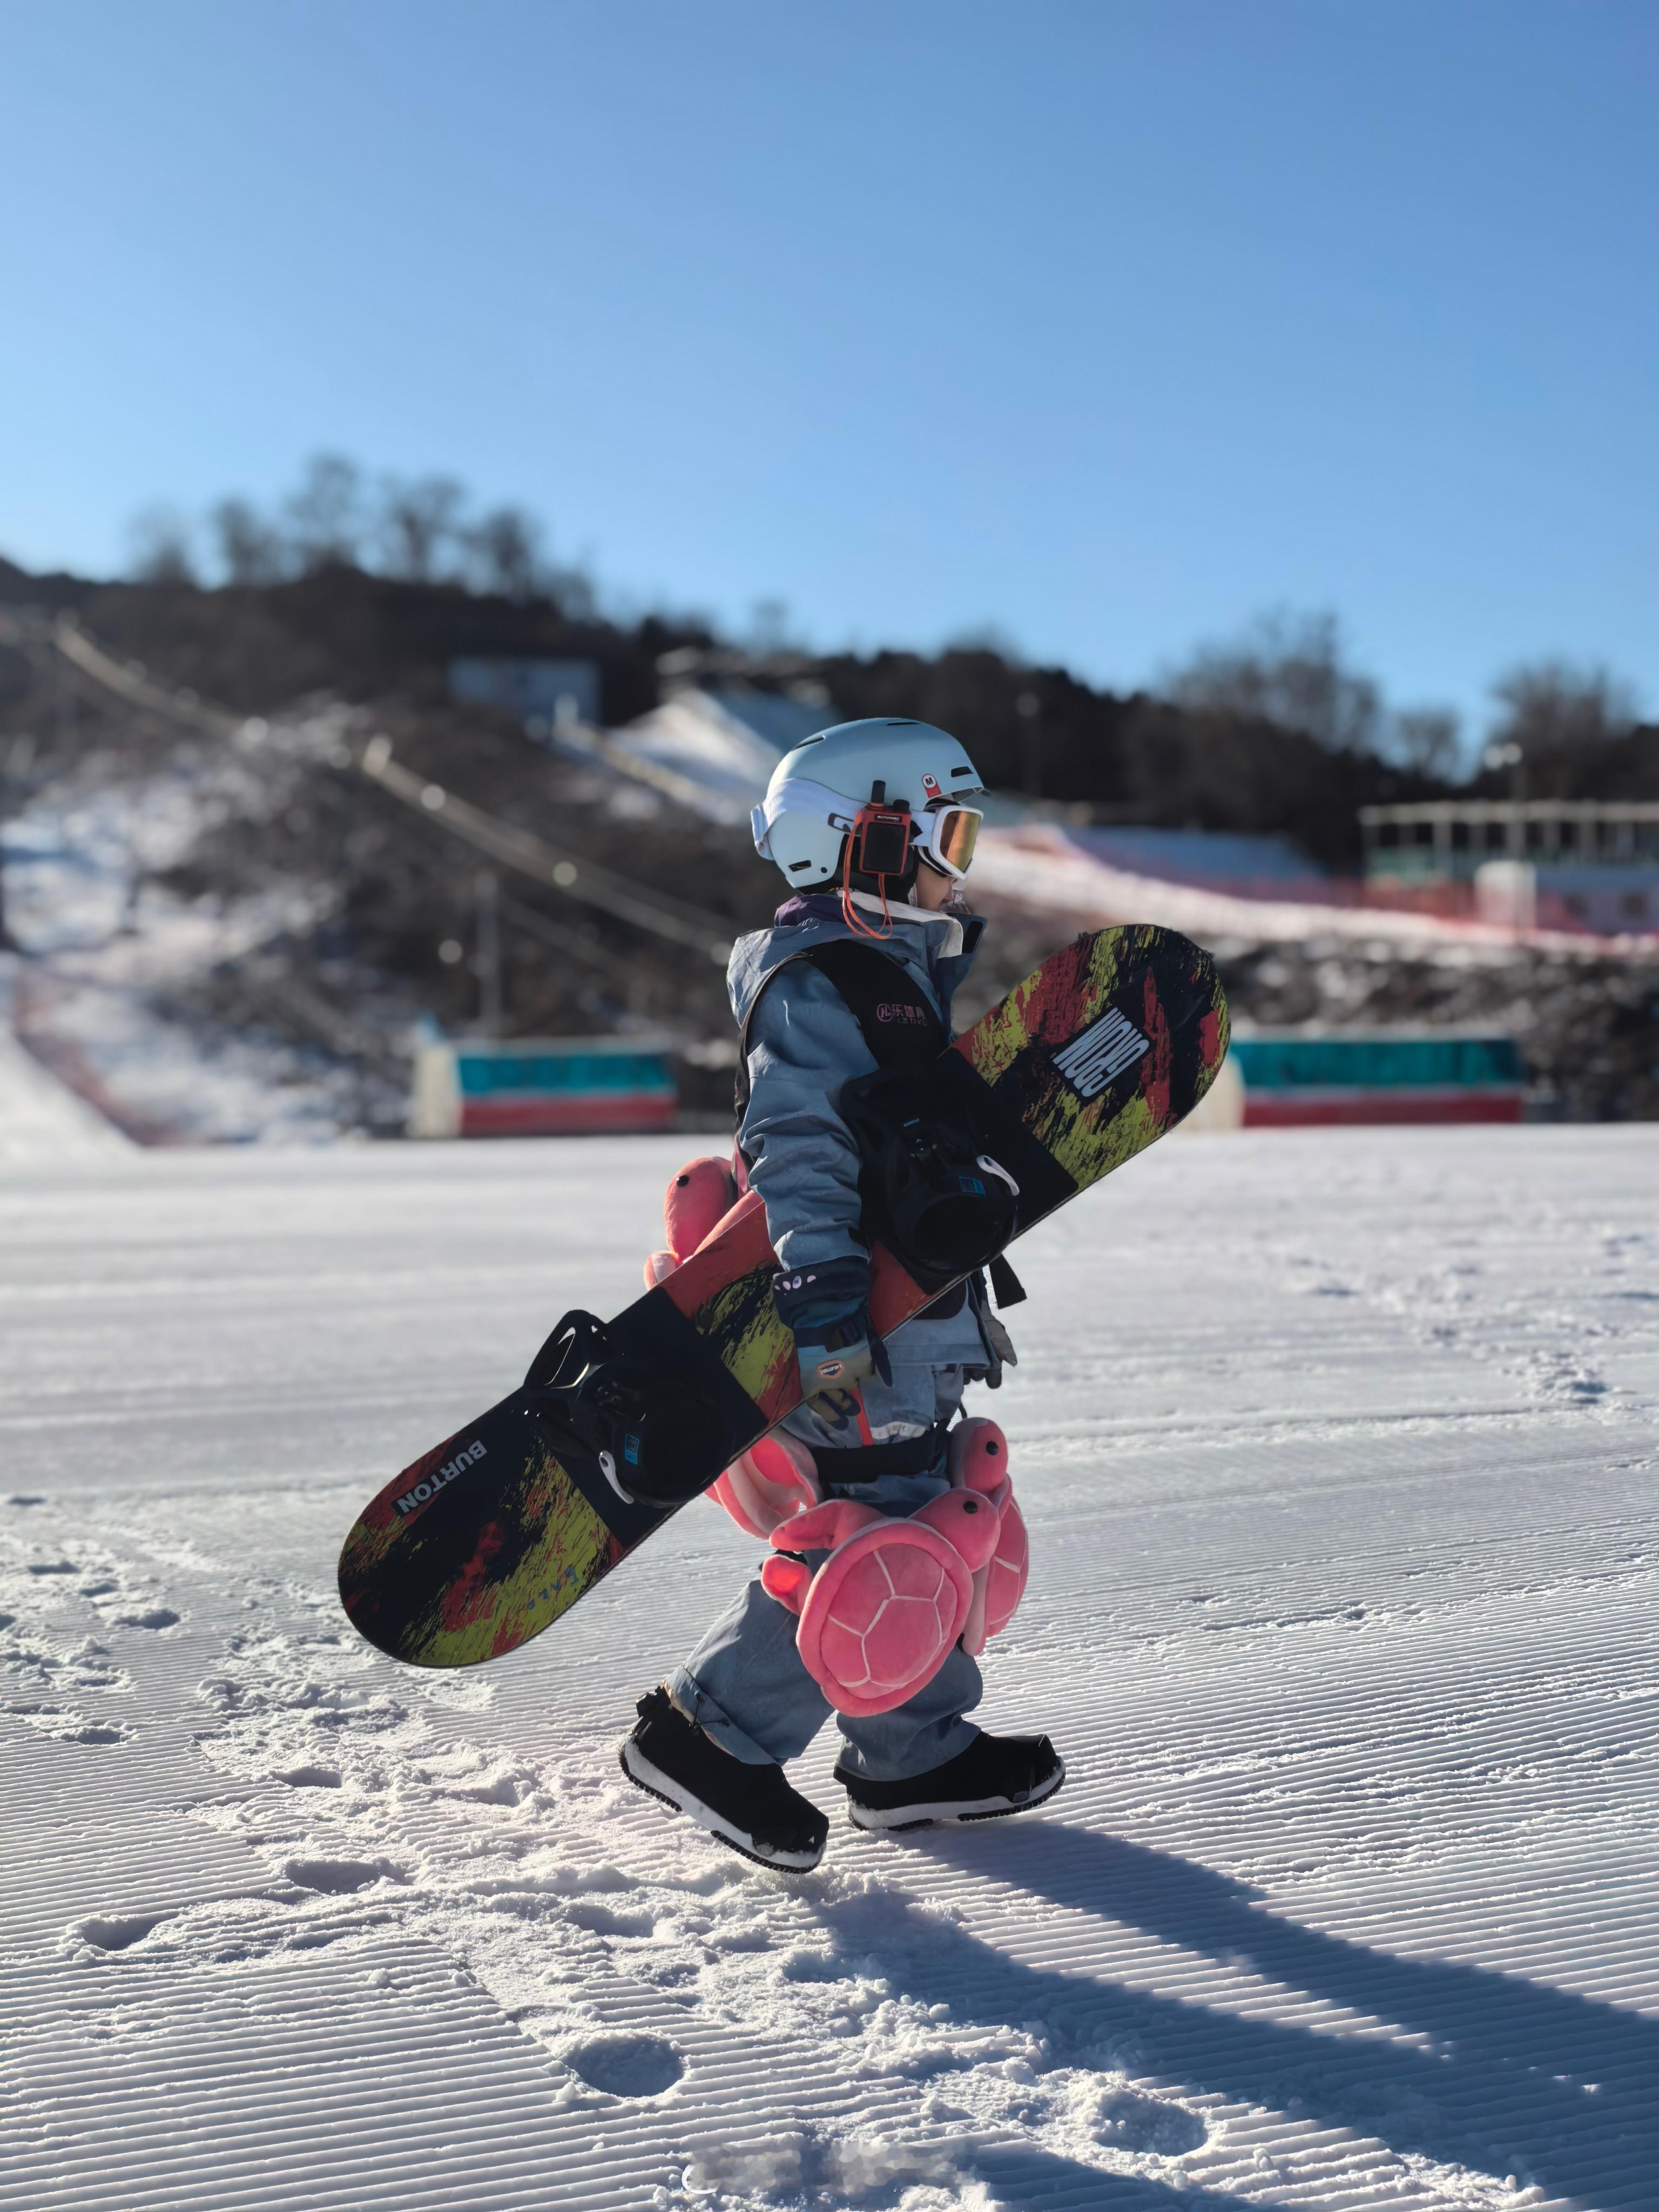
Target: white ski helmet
818	791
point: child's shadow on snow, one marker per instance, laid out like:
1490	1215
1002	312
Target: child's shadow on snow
1505	2076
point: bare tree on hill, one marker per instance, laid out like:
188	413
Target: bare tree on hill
1286	669
1555	706
250	550
506	547
417	530
420	528
161	541
326	515
1426	739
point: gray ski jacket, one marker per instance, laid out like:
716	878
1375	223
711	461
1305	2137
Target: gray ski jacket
804	1045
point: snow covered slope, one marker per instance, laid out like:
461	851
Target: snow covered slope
117	993
1338	1450
41	1118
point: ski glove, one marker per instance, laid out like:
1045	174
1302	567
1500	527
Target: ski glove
827	1306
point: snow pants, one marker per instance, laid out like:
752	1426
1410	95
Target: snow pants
746	1684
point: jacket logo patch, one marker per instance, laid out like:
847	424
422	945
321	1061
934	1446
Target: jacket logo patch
896	1010
1105	1049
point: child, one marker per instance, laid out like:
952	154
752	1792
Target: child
713	1740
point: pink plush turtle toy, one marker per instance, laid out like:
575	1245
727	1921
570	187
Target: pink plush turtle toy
879	1617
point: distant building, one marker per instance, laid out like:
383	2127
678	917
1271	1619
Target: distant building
542	1087
549	692
1593	861
1305	1077
1448	839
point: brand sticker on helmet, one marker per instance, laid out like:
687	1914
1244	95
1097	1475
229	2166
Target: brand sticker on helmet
1105	1049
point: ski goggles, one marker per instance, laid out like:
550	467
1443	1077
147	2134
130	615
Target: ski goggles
946	837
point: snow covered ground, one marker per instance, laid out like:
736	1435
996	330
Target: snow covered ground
1339	1456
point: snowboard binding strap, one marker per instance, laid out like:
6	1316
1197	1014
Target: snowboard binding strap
633	1423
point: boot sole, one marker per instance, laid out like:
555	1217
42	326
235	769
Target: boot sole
675	1795
894	1821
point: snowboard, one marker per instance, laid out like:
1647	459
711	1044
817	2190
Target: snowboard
488	1539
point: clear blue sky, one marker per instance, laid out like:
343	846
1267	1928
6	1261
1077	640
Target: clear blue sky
1110	325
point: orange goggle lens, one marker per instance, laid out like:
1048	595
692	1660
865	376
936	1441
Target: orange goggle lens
951	836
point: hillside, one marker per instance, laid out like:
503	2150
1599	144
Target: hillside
368	639
202	870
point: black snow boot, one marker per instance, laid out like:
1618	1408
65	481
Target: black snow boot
997	1774
752	1808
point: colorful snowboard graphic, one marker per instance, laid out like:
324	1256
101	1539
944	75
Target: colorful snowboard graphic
485	1541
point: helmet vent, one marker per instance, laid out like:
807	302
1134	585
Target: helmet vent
955	772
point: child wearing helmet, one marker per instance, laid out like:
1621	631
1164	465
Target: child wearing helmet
867	825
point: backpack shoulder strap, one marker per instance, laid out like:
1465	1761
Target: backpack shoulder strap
898	1021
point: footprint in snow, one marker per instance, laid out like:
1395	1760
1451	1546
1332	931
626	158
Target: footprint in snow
815	1966
753	1938
504	1790
67	1727
1124	2119
600	1920
626	2065
340	1877
118	1933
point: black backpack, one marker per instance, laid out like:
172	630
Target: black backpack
934	1193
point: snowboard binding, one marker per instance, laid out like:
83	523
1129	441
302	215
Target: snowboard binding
643	1427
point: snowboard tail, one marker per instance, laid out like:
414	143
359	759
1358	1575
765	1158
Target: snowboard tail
483	1542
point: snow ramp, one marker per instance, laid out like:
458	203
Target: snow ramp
41	1118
